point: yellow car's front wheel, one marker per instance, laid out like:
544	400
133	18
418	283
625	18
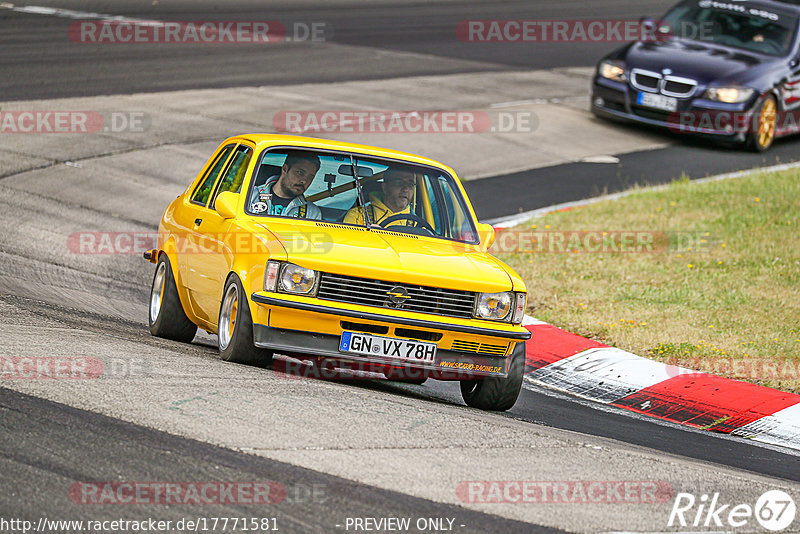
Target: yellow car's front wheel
235	330
495	393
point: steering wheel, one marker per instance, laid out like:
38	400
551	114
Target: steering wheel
419	221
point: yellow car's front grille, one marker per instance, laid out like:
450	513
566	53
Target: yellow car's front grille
482	348
407	297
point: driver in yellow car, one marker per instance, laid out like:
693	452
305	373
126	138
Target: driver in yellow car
398	191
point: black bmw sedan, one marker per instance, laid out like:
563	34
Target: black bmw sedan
723	68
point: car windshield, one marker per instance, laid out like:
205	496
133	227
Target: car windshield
388	194
735	24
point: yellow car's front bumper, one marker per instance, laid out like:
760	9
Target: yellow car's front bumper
464	350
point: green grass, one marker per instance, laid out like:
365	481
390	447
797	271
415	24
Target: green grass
720	292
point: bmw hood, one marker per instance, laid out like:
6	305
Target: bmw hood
691	59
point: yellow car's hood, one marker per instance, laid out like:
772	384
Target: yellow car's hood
390	256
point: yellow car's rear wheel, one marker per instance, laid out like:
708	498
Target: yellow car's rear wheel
235	330
166	316
763	125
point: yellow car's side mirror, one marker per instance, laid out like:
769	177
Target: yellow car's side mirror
225	204
487	234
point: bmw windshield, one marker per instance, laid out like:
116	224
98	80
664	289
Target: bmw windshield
731	23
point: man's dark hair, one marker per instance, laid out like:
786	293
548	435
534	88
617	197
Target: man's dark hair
393	171
293	158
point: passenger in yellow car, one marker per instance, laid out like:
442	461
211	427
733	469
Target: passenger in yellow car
283	194
398	191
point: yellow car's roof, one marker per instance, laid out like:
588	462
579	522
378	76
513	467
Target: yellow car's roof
263	140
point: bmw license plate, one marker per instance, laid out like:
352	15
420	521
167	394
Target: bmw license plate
652	100
387	347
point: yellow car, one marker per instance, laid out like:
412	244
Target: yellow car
355	256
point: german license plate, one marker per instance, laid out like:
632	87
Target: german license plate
387	347
652	100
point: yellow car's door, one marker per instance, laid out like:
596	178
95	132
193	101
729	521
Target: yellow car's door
209	267
187	217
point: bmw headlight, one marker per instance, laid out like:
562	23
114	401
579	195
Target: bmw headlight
496	306
729	95
296	279
612	70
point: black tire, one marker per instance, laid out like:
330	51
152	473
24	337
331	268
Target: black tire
755	141
235	337
494	393
166	316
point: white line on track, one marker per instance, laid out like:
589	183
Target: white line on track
603	158
72	14
553	100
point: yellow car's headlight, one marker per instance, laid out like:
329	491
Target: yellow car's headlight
296	279
496	306
612	71
290	278
729	95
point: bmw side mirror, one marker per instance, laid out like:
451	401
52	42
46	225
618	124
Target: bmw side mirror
648	27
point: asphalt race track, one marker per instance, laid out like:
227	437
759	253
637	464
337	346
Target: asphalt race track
574	181
104	446
37	63
171	412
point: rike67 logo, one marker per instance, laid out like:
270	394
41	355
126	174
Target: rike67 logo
774	510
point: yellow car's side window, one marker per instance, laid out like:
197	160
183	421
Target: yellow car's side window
234	176
203	191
